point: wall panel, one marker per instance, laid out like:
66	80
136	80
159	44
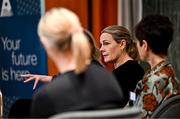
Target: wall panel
94	15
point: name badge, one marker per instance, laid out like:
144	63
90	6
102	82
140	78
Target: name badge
133	96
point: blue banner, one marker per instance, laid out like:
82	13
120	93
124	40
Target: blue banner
20	49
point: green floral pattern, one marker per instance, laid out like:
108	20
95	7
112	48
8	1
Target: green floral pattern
157	85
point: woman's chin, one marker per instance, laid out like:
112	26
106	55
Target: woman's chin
107	61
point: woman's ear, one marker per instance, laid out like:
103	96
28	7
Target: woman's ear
145	45
122	44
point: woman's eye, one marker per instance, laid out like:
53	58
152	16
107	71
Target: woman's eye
106	43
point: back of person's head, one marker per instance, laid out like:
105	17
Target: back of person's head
157	30
121	33
94	50
60	29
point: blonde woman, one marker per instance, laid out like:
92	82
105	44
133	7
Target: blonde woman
95	55
80	85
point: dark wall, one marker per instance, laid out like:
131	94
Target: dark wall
170	8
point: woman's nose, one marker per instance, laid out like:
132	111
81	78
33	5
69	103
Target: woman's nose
101	48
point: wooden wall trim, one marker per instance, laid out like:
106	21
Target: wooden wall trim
104	13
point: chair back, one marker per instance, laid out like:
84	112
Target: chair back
129	112
168	109
20	109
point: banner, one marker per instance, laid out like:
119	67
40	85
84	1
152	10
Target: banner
20	49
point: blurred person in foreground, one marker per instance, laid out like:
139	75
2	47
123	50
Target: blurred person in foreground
154	34
117	47
95	59
81	85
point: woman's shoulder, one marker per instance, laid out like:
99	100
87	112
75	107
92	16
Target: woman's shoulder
96	62
61	82
131	65
96	67
96	71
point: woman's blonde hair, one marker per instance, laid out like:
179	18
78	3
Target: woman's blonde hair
63	30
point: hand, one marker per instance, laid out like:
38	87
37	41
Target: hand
37	78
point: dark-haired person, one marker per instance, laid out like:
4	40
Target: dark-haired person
117	47
154	34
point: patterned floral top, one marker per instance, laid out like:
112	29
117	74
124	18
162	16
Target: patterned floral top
157	85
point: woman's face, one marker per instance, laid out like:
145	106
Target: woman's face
110	49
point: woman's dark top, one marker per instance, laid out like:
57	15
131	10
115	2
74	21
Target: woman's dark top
96	88
128	75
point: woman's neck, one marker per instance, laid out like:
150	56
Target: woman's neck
65	63
121	60
153	60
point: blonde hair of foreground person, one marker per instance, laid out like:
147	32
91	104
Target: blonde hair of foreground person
60	31
95	55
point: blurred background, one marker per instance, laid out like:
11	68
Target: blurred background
97	14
